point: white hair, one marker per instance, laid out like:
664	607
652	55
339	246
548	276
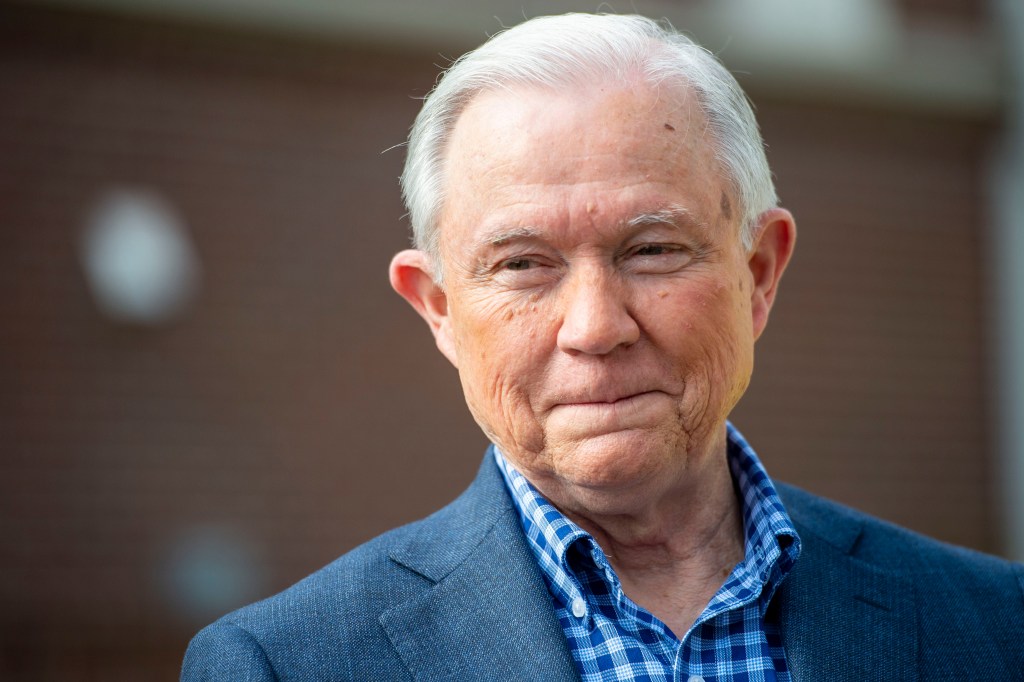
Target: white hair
578	50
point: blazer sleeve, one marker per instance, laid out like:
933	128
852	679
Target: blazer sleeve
225	651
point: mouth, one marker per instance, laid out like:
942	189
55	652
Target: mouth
589	416
602	400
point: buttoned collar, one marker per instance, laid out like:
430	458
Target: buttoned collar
563	549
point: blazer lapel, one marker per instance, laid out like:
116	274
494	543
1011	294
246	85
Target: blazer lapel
488	614
842	619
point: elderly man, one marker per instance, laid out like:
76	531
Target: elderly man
598	249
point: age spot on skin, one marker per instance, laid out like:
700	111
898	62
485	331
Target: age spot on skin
669	127
662	294
726	206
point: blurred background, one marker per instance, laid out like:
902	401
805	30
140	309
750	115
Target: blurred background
208	389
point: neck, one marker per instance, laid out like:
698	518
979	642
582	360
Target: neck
694	532
672	551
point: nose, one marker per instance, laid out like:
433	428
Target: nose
595	317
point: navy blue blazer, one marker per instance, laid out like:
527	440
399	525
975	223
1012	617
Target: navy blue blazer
458	596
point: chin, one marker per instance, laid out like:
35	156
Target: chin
616	461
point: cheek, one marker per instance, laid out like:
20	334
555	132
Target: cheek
708	331
726	331
495	340
501	362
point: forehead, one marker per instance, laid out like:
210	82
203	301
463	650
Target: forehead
534	155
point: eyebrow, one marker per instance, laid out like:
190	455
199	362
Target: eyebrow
670	215
500	237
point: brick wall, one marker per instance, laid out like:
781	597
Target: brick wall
299	408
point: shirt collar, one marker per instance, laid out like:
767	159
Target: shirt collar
550	534
772	545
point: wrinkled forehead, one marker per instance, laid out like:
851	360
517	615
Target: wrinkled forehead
509	142
633	96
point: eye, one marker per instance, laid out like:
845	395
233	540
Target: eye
657	258
524	271
516	264
652	250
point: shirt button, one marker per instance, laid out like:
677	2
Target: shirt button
579	609
695	678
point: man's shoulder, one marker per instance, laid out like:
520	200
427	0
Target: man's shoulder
879	542
327	619
363	575
332	617
955	612
930	564
375	572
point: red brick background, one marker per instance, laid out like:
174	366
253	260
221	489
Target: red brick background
300	408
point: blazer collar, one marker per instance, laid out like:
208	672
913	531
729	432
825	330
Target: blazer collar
487	614
840	617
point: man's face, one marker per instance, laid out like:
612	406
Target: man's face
598	300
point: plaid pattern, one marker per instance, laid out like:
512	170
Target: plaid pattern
612	638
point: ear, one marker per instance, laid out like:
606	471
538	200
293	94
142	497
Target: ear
776	237
411	276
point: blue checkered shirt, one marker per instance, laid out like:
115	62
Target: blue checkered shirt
612	638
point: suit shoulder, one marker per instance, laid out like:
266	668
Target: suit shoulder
327	620
391	567
332	617
223	651
362	578
894	548
960	611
